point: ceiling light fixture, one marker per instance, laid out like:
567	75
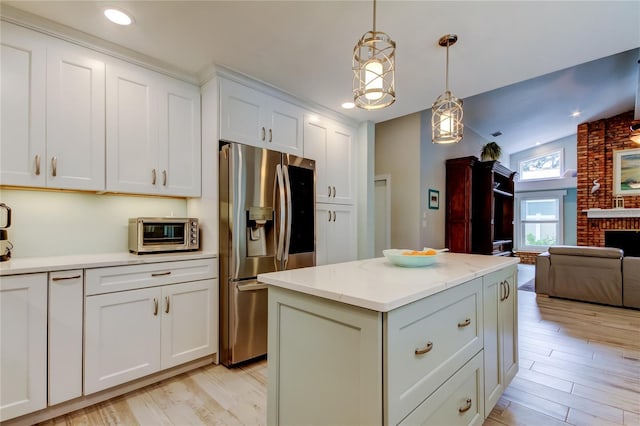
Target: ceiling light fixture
575	114
348	105
374	69
118	17
446	111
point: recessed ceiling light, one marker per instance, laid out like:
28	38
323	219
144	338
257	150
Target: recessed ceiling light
118	17
537	143
348	105
575	114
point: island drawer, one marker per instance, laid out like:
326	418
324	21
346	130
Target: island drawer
459	401
130	277
426	341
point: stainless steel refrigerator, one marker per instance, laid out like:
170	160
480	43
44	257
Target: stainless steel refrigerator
267	223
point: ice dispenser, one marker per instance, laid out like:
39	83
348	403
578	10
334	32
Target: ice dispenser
259	226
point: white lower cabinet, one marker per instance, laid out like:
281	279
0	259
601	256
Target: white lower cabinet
23	341
500	333
335	233
65	335
141	319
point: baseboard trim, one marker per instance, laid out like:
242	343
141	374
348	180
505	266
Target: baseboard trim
88	400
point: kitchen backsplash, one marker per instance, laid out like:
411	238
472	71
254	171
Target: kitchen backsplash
65	223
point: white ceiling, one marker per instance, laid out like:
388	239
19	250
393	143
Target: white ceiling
305	47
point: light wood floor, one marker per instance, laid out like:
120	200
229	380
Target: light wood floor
579	365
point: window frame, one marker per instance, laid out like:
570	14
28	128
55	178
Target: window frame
560	151
519	237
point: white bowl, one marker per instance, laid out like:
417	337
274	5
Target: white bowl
397	257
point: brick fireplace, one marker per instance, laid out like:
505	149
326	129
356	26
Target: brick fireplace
596	143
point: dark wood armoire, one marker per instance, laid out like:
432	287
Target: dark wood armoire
479	200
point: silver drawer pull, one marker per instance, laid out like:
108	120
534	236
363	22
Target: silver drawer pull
155	307
75	277
37	165
466	407
465	323
167	303
54	166
153	176
263	134
270	135
159	274
422	351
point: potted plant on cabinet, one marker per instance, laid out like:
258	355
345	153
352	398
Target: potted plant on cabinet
490	151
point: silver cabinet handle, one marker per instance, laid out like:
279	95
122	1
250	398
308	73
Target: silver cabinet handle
465	407
329	218
464	323
166	304
270	135
164	178
75	277
155	307
334	191
329	189
422	351
153	176
334	215
263	134
506	284
502	291
54	166
37	165
160	274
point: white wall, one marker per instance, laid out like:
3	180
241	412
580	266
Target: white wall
397	153
63	223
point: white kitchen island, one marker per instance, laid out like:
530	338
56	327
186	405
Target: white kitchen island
367	342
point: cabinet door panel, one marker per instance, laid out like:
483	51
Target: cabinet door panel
315	148
509	323
180	165
241	114
188	321
122	337
285	129
132	130
23	339
22	122
323	219
75	118
340	162
65	335
341	236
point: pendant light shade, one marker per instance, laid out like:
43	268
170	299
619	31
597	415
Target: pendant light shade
446	111
374	69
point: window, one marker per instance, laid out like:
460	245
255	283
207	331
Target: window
539	220
547	166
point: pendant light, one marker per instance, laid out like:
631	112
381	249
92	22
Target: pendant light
374	69
446	111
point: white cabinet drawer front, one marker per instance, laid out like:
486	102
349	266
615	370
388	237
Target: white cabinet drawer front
427	340
119	278
458	402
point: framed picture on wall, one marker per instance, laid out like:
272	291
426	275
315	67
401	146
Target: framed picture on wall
434	199
626	172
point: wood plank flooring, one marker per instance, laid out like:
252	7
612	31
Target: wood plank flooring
579	365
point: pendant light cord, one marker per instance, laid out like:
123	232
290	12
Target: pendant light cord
374	16
446	84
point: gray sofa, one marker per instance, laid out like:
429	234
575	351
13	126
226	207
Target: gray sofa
590	274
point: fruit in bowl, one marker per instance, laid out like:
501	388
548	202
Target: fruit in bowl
412	258
425	252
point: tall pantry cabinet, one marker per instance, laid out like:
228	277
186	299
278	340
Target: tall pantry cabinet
479	212
332	145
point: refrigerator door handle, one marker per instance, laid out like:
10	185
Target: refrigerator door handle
287	182
281	190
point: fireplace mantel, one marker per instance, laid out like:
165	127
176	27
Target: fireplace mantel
611	213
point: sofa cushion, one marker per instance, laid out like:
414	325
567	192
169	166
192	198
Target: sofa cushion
631	282
606	252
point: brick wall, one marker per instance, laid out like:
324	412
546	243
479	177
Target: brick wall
596	142
527	257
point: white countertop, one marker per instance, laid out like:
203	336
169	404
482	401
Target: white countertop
29	265
379	285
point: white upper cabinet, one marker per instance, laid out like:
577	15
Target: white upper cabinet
52	112
254	118
23	58
332	146
153	133
75	118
